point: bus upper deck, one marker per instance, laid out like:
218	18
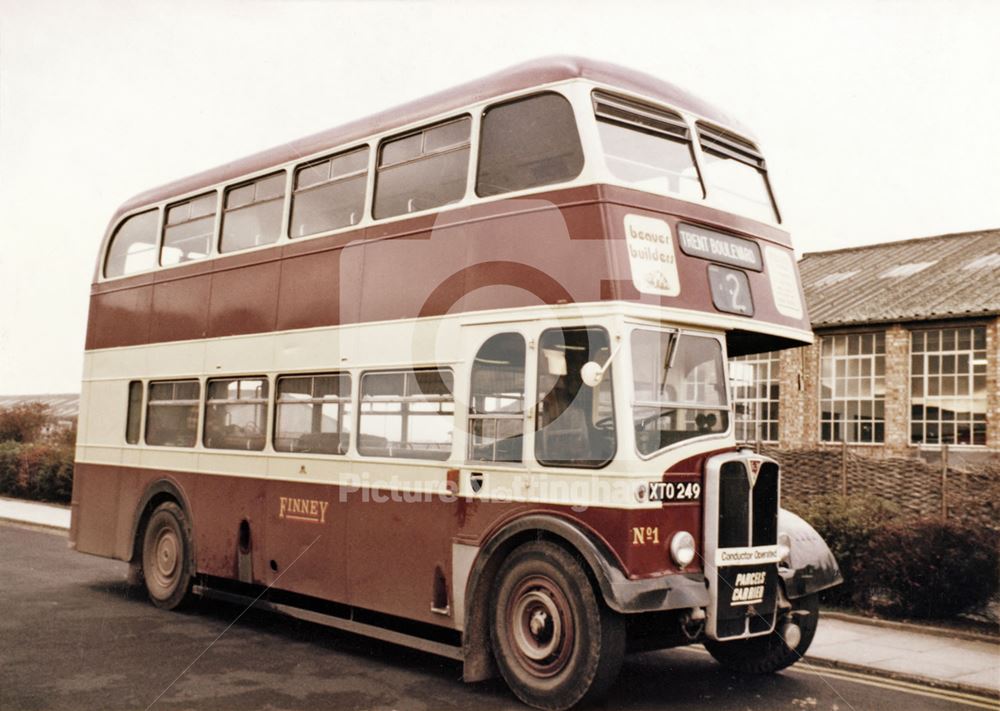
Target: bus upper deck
564	181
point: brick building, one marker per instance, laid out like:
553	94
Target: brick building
906	359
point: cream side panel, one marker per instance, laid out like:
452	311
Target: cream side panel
181	460
107	406
186	359
241	354
314	349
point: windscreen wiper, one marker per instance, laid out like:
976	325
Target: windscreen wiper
668	360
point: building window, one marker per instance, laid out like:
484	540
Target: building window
496	409
756	387
133	424
423	170
133	248
187	235
313	414
527	143
236	414
252	216
852	388
407	413
172	413
329	193
948	386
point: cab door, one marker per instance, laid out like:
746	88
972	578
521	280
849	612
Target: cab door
498	435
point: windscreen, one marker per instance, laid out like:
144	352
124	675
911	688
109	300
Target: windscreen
680	388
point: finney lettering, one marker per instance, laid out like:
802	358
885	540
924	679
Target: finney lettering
303	509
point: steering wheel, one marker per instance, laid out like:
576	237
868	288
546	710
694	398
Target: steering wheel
646	421
605	424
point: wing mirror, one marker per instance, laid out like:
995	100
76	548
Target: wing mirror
592	373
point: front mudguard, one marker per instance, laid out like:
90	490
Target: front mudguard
811	566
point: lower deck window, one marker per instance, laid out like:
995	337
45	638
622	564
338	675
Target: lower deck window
496	407
407	413
313	414
236	414
172	413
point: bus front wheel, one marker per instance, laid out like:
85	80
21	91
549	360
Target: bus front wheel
166	556
555	642
776	651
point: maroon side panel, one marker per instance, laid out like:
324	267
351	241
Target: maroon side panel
244	299
96	509
393	549
309	291
566	246
218	506
371	548
309	546
180	308
120	317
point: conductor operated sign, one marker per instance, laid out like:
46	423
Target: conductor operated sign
651	256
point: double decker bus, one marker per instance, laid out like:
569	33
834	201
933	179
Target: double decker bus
455	376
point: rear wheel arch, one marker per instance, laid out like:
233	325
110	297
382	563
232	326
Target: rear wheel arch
593	555
159	492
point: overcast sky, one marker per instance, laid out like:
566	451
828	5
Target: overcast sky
878	119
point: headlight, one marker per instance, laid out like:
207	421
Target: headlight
784	548
682	548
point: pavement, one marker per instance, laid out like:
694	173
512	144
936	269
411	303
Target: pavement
935	657
34	513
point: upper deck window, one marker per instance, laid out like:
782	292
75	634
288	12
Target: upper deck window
735	174
188	233
252	216
329	193
133	247
527	143
648	146
423	170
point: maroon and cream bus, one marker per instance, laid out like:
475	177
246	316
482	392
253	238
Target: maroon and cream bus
455	376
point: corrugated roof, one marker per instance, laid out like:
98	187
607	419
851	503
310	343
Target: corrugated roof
62	406
948	276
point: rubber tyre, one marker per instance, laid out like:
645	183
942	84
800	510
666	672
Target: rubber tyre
555	642
769	654
166	557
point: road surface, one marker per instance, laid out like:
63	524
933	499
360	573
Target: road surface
74	636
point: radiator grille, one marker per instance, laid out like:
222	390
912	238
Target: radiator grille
734	508
765	506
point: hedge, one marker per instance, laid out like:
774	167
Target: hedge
903	566
42	471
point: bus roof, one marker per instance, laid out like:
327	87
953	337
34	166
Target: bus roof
522	76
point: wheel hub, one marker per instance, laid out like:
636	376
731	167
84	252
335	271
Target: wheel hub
540	627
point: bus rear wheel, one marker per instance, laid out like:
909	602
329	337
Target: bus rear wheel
555	642
166	556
